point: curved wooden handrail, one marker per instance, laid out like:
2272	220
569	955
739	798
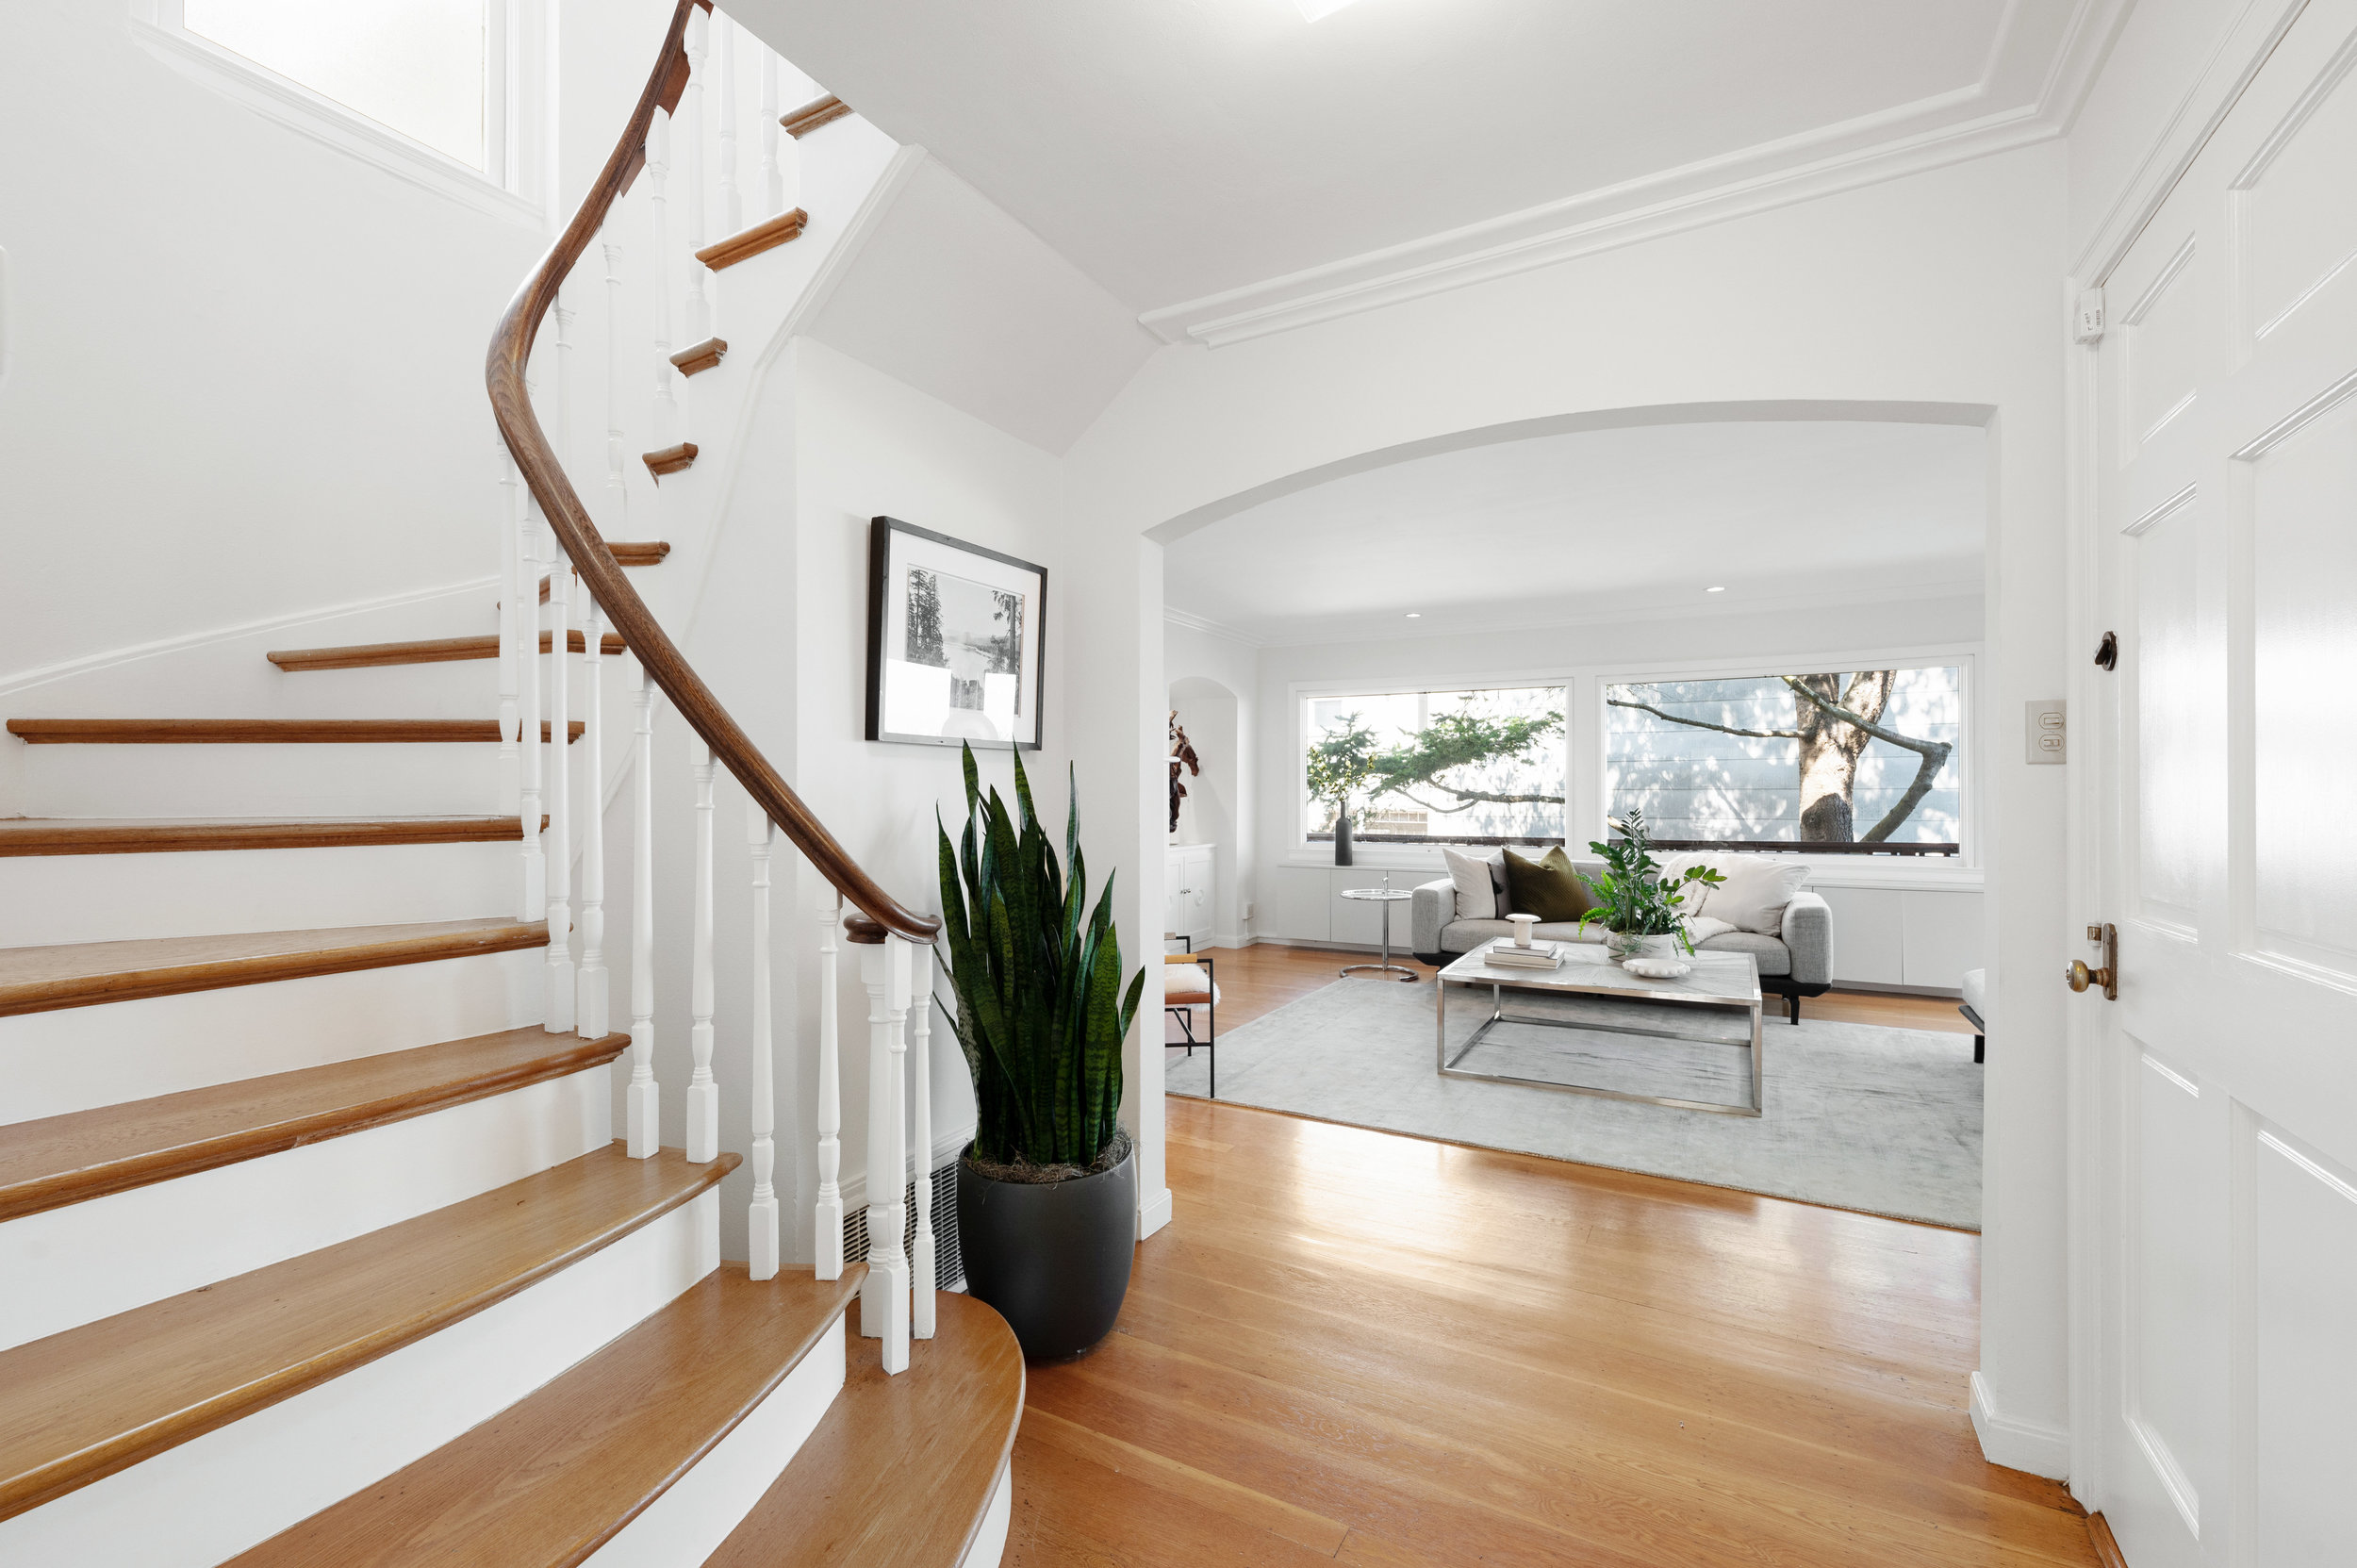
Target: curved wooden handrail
511	402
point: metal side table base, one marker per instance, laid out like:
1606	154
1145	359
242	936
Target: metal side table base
1387	897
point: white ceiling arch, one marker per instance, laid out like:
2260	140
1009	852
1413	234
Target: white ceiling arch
1624	514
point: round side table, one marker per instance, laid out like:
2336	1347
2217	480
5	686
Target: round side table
1387	896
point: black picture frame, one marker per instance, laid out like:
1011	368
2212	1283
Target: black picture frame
959	699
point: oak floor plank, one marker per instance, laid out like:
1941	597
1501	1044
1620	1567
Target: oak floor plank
1465	1357
87	1154
83	1404
81	974
553	1477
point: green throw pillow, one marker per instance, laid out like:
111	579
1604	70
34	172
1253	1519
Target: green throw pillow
1548	887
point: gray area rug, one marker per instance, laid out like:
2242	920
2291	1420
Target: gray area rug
1857	1115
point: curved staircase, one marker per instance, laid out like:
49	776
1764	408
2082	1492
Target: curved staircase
322	1244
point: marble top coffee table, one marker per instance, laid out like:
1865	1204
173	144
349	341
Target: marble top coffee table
1716	1004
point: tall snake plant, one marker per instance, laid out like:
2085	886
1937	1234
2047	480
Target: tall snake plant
1040	1013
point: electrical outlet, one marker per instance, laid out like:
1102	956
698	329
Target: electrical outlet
2048	734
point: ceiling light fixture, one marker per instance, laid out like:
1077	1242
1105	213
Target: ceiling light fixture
1313	9
1714	591
1415	615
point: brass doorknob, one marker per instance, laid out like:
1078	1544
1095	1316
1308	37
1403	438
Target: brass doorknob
2081	977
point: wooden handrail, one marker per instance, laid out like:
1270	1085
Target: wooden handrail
519	426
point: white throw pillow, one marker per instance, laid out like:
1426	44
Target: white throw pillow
1693	895
1756	889
1702	928
1477	891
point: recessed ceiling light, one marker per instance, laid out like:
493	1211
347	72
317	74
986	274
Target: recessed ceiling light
1714	591
1313	9
1415	615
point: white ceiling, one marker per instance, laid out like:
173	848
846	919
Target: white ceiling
1599	526
1177	149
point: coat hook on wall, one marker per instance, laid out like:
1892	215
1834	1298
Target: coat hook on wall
2108	651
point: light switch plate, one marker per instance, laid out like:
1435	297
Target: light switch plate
2047	731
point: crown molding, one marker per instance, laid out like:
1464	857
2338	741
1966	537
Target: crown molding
1910	138
1177	616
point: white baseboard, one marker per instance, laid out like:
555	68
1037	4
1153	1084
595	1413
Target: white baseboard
1153	1214
2016	1445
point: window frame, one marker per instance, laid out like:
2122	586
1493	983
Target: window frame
1584	755
518	144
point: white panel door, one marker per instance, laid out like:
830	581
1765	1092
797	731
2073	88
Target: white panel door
2227	489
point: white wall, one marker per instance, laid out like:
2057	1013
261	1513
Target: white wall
1937	289
1294	874
1215	686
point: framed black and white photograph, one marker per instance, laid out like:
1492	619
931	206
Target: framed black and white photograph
954	634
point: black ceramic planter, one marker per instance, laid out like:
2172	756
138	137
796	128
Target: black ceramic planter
1052	1257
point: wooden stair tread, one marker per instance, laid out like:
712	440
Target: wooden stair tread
263	732
138	835
671	459
746	243
818	112
87	1154
697	357
642	554
554	1476
77	974
944	1427
360	655
92	1400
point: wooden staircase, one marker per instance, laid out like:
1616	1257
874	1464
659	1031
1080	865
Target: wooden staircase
331	1232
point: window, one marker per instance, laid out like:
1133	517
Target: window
430	90
417	66
1471	766
1858	761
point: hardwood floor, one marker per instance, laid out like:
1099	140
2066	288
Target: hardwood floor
1352	1347
1359	1348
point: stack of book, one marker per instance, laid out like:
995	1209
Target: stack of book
1504	954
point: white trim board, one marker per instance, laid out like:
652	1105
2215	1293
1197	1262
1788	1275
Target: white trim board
1910	138
2039	1449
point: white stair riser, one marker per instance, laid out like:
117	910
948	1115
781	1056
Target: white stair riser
989	1547
87	1260
53	898
686	1523
76	1058
202	1502
415	780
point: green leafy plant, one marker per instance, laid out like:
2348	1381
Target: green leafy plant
1041	1013
1632	897
1342	765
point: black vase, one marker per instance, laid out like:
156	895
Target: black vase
1342	840
1053	1256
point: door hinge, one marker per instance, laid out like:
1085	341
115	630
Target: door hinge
2088	328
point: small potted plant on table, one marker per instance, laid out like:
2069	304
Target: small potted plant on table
1641	911
1047	1190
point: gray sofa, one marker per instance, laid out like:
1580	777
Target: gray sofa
1796	962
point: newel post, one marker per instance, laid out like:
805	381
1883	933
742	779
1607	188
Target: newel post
883	1296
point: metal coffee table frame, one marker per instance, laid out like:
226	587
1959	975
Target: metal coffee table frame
1566	982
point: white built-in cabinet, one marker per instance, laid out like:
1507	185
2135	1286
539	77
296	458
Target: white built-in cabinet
1187	883
1921	938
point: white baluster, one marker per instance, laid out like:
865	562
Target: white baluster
829	1116
703	1094
883	1296
658	207
559	967
773	177
617	495
527	611
761	1219
921	1264
593	1005
643	1121
699	309
732	205
510	642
